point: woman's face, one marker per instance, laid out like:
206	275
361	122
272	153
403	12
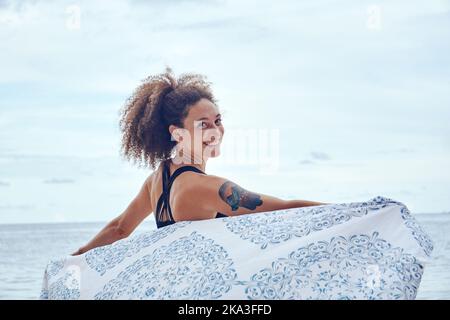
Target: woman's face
203	131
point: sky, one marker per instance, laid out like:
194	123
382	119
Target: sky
354	96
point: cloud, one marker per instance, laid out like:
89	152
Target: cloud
317	155
396	151
25	207
406	192
313	67
14	5
306	162
59	181
58	217
20	156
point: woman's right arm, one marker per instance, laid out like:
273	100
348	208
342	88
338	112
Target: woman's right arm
210	194
123	225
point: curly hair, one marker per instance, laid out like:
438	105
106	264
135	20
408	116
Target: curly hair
160	101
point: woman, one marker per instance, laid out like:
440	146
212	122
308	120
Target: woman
164	115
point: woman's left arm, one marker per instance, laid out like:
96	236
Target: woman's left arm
123	225
304	203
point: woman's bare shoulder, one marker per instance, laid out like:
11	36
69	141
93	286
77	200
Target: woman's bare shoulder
188	192
152	180
191	181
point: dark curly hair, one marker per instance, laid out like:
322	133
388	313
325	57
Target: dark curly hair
160	101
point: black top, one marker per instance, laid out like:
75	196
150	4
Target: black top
163	206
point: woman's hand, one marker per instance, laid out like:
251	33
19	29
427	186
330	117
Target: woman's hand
77	253
306	203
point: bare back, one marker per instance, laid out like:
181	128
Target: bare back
177	198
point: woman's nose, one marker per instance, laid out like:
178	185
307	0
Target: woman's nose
213	134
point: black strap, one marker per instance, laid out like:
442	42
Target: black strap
162	199
181	170
167	181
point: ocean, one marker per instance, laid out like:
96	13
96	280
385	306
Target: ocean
26	248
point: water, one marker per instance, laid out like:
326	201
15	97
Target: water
26	248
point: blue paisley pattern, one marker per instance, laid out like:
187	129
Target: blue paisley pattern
192	267
44	294
322	270
55	266
298	253
275	227
104	258
418	233
65	288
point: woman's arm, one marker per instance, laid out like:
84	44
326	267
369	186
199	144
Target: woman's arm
122	226
210	194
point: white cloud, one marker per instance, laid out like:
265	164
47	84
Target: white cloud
311	69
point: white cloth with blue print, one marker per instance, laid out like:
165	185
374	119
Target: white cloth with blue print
361	250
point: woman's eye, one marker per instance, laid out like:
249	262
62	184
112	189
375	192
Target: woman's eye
202	125
218	121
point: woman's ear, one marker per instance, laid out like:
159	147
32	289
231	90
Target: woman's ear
174	133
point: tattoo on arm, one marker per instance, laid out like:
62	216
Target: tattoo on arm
236	197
